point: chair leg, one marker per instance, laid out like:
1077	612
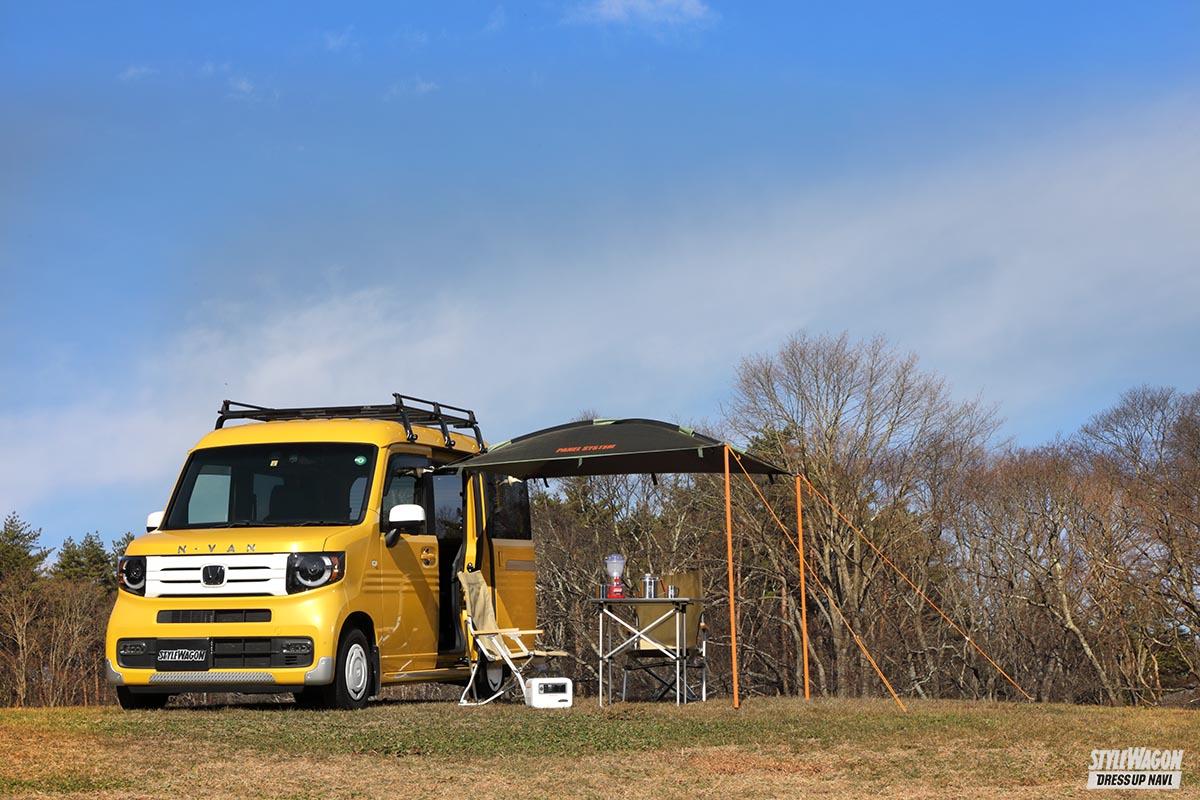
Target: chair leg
515	671
666	687
469	689
505	687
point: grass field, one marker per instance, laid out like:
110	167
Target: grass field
770	748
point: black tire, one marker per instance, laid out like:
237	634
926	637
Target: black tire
490	676
131	701
353	676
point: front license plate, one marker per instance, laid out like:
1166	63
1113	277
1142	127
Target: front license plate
183	654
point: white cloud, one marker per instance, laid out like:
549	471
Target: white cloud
652	12
412	87
411	38
496	20
341	41
241	86
210	68
135	72
1031	274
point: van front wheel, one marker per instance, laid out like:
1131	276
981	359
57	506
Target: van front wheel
353	679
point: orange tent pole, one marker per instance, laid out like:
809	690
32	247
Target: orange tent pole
803	594
822	587
737	700
919	592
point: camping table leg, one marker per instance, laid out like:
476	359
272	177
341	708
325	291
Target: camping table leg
681	640
608	635
678	650
609	657
600	666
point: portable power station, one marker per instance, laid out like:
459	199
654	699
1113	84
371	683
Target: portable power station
549	692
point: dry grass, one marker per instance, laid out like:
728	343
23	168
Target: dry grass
770	748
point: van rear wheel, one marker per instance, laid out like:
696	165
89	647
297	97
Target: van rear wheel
490	676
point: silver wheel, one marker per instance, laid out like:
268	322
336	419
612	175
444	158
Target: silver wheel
358	671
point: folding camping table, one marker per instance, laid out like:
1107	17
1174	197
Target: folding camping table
611	644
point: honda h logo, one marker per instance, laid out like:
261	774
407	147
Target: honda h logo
213	574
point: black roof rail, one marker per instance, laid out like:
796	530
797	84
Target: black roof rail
404	409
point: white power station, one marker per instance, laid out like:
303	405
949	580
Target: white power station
549	692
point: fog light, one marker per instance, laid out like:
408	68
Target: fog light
131	648
298	646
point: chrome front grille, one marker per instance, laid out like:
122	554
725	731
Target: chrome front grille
242	574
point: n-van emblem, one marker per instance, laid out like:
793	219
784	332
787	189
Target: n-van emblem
213	574
182	550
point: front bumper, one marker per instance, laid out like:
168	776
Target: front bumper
312	615
231	680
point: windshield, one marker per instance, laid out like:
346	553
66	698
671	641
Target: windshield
274	484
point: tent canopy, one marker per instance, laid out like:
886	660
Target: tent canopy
609	447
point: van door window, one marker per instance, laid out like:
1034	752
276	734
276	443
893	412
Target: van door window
448	525
405	483
448	506
507	501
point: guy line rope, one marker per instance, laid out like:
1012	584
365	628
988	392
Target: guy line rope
891	564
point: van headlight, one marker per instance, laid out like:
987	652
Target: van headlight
314	570
131	574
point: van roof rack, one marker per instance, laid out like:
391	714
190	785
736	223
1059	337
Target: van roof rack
406	410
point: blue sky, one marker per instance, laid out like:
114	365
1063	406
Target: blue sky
544	208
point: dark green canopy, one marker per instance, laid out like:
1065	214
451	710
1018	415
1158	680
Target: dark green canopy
610	447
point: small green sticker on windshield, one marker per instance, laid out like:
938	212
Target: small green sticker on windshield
360	460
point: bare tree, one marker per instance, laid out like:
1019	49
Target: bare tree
884	442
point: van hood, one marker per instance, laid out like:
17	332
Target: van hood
223	541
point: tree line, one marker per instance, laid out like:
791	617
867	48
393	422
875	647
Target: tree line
52	617
1074	566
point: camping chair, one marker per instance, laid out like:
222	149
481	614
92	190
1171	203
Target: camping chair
648	658
495	644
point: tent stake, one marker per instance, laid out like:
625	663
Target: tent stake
803	595
733	659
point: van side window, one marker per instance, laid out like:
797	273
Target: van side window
448	506
507	503
403	485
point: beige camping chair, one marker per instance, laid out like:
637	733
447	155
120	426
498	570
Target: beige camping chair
647	655
495	645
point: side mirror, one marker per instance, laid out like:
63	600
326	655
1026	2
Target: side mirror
154	521
404	518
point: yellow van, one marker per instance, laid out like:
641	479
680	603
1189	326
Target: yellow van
314	551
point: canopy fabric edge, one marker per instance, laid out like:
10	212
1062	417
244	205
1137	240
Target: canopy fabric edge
629	446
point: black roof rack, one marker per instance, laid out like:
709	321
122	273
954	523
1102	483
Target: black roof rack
406	410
